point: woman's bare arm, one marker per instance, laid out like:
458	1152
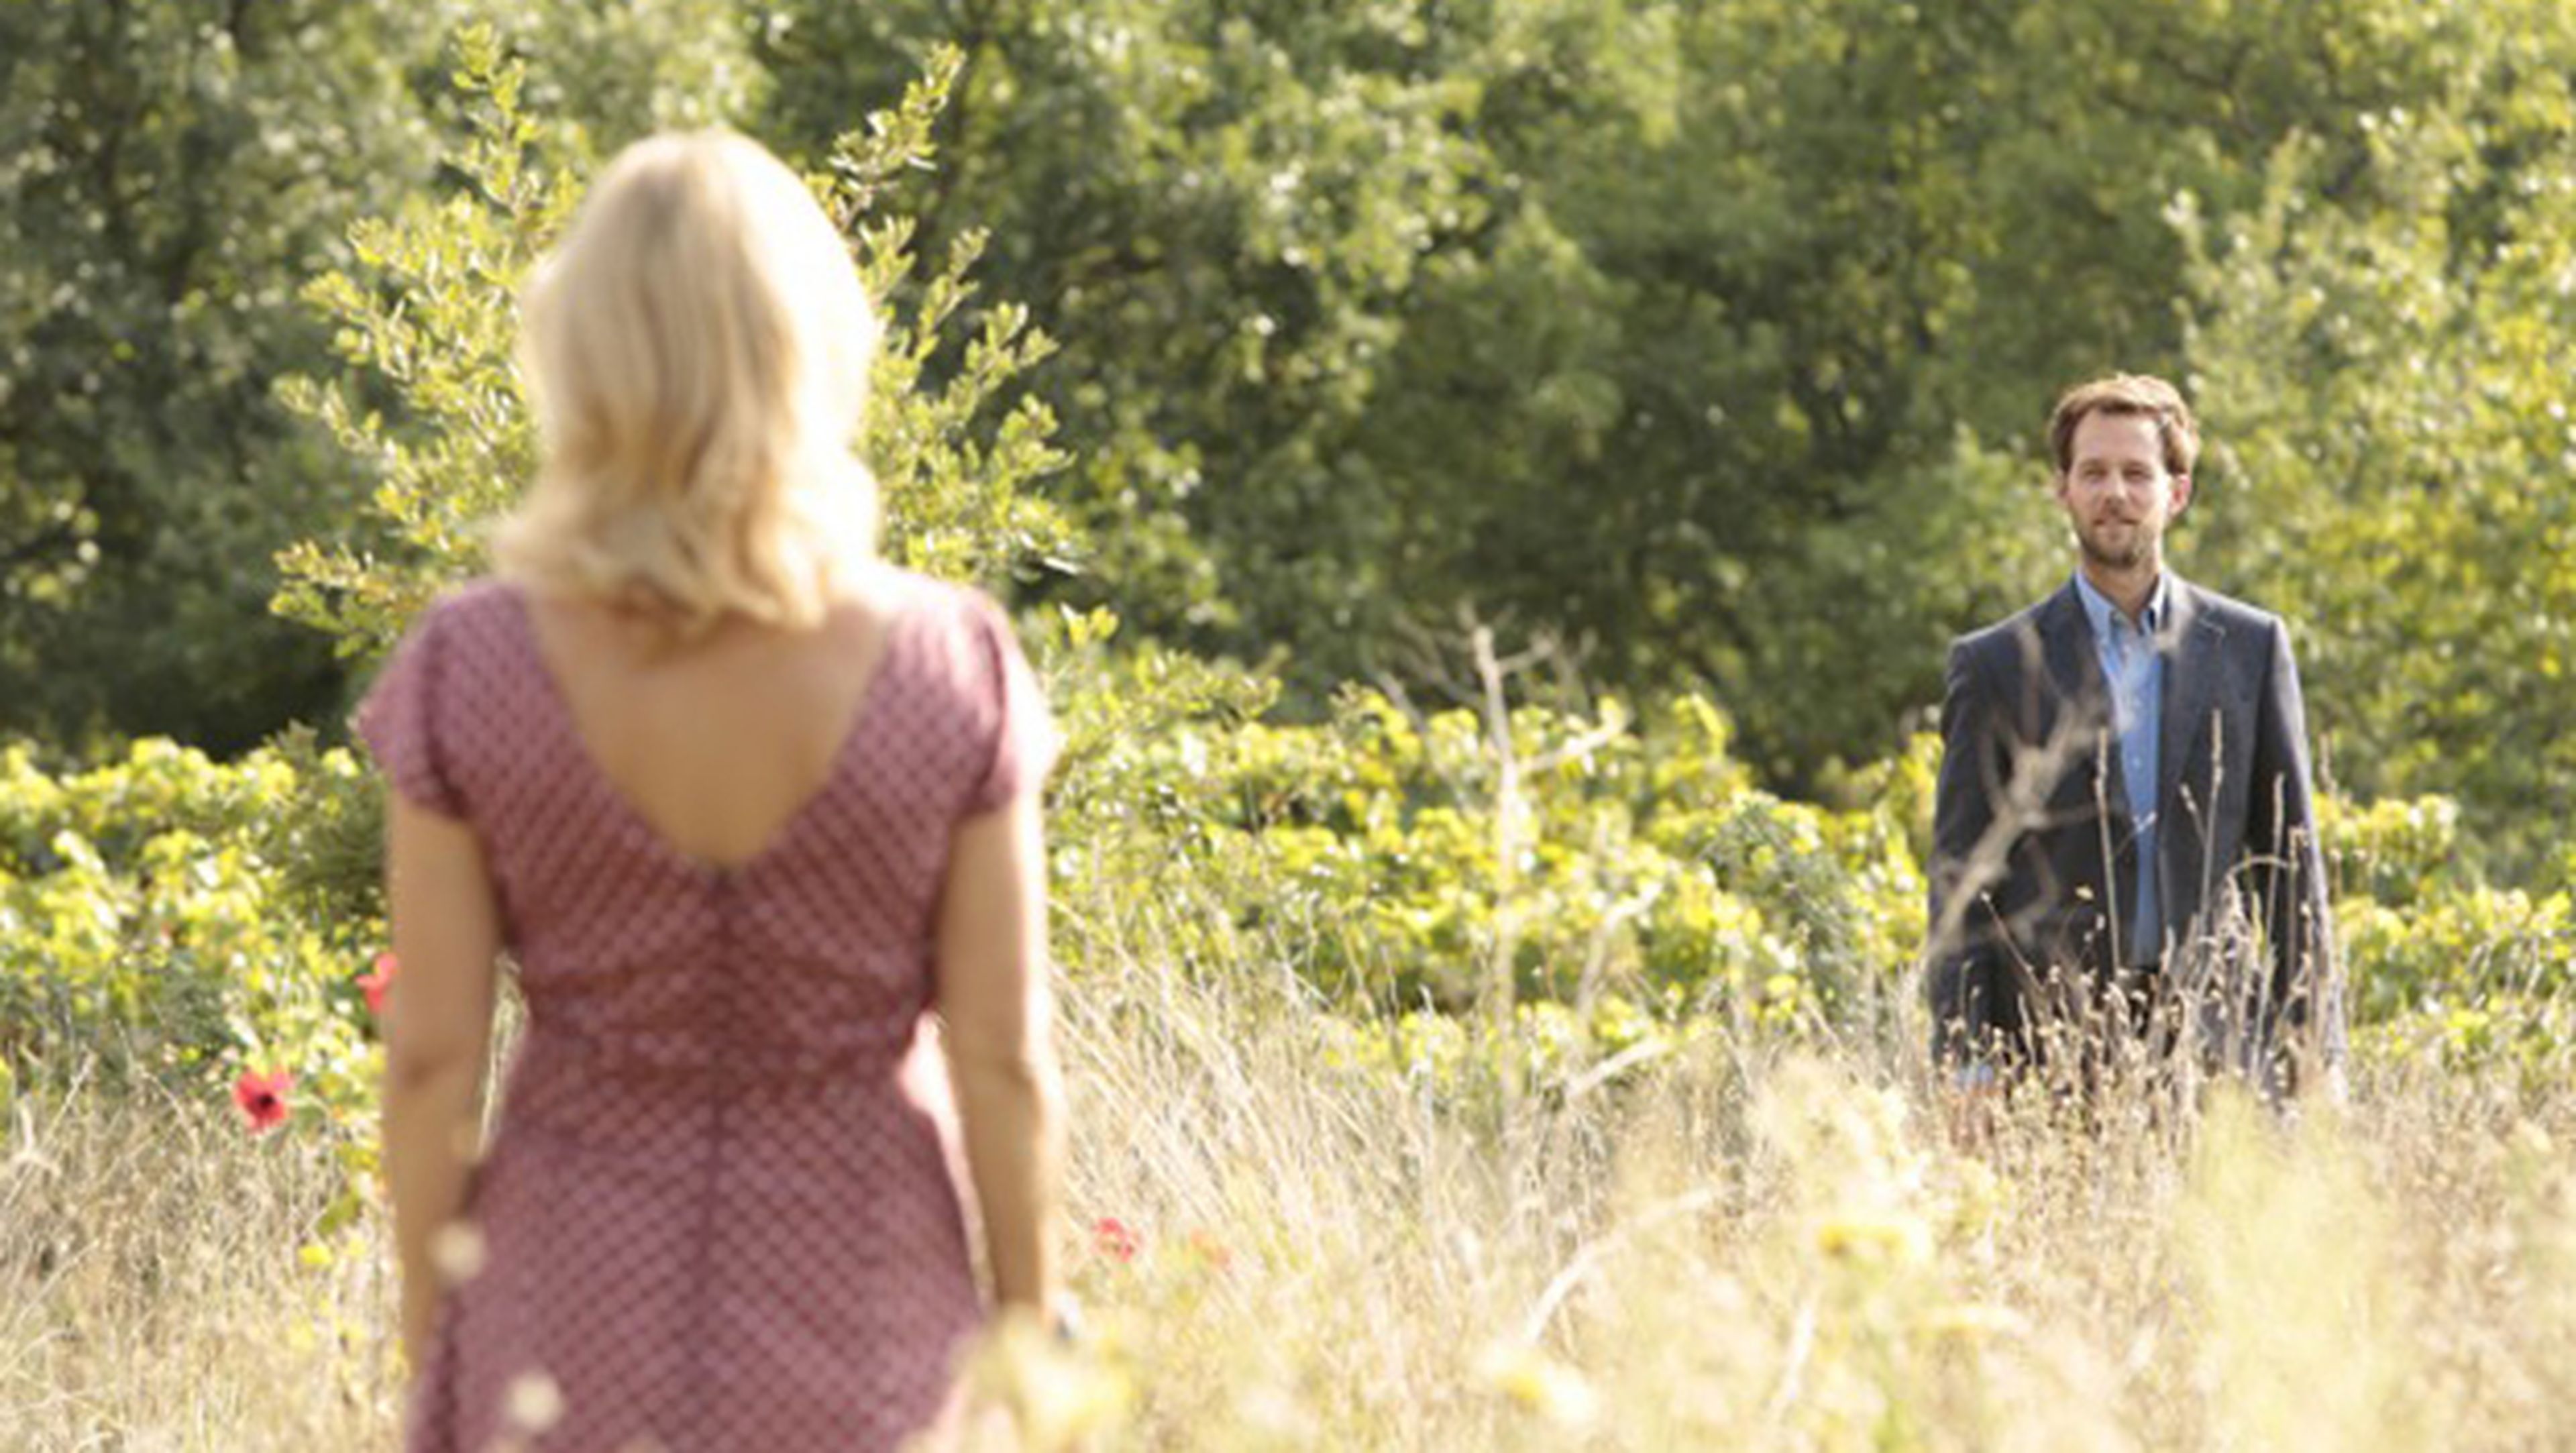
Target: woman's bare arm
438	1029
995	998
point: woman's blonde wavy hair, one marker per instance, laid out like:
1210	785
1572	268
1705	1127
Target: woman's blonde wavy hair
698	350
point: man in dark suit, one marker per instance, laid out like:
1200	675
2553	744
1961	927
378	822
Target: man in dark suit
2124	837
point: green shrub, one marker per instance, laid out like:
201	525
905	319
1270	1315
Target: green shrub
159	918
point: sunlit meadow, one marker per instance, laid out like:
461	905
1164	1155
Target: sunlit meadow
1289	1234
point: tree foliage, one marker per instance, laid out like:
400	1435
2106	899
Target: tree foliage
2384	342
168	175
1717	335
432	313
1711	336
171	178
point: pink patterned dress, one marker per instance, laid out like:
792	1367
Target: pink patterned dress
713	1216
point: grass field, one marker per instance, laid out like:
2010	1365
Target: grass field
1731	1244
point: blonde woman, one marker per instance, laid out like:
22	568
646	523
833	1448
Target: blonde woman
744	807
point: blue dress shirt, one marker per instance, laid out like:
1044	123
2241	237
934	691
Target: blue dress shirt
2134	670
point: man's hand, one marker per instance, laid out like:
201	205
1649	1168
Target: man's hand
1973	1093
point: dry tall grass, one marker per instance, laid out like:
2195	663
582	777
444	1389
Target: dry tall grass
1740	1246
1729	1246
155	1292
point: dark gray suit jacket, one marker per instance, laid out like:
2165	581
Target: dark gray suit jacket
2033	864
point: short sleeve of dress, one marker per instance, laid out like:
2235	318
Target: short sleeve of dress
1024	734
399	720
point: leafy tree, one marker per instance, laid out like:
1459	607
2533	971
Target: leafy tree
435	313
2383	349
173	175
1716	335
167	174
1371	310
1712	335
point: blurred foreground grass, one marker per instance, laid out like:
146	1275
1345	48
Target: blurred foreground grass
1282	1244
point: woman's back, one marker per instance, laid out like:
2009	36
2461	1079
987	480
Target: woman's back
718	742
713	1215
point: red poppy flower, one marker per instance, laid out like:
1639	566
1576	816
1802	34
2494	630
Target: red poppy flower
375	982
1112	1238
1210	1250
262	1098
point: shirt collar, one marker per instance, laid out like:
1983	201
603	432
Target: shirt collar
2099	609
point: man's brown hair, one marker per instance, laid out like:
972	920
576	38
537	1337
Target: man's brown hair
2133	394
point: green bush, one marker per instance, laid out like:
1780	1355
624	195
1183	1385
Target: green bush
1403	861
158	918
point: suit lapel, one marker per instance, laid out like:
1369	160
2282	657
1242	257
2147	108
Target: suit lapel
2190	648
2075	669
2067	639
